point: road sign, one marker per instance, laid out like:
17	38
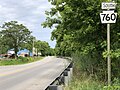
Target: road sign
108	17
108	5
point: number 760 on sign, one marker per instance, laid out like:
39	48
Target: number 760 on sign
108	17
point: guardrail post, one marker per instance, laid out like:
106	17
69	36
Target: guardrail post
70	73
65	78
71	68
55	87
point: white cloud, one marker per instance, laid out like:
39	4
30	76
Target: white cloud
28	12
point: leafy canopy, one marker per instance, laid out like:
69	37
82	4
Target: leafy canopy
14	35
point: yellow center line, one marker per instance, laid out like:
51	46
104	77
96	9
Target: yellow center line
15	71
19	70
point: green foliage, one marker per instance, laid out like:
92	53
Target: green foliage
111	88
44	48
91	64
115	85
84	82
20	60
29	43
85	78
3	47
14	35
76	24
78	28
41	46
23	59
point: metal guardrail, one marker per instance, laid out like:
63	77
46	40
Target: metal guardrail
63	79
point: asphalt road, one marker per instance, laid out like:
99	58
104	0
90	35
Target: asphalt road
34	76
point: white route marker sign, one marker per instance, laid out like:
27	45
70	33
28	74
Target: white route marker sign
108	17
108	5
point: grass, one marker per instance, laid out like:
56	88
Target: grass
20	60
84	82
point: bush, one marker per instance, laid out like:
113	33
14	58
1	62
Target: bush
115	85
89	74
90	63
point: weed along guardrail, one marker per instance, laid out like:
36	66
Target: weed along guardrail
63	79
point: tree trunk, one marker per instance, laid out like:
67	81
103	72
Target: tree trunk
16	50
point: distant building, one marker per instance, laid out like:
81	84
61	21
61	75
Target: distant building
10	52
24	53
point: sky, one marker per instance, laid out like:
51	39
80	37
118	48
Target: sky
31	13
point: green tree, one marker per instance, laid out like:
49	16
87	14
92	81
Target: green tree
43	47
14	35
38	46
78	28
3	47
29	43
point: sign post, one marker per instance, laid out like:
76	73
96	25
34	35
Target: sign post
108	17
108	58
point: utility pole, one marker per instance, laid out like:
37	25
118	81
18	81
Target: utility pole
33	48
